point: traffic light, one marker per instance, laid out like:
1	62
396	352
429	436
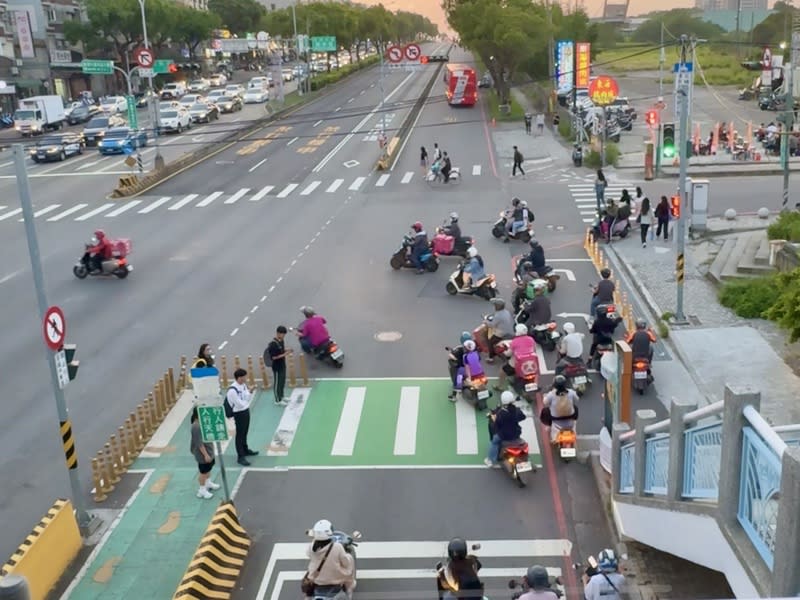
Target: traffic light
675	207
668	140
651	118
423	59
173	68
72	364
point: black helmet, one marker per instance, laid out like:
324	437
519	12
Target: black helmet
457	549
515	201
499	303
538	578
526	266
534	243
641	324
560	383
605	273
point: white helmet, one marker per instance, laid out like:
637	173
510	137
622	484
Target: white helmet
454	216
521	329
469	346
322	530
506	398
472	252
524	204
569	328
539	284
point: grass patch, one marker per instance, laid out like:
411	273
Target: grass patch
517	113
787	227
320	80
750	298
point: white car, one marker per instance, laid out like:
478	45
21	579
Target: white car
215	96
235	90
70	107
287	74
174	120
218	79
258	82
114	104
199	85
190	99
256	95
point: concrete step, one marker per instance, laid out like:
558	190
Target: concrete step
762	254
747	263
715	270
731	268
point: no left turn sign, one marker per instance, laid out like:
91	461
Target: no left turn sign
395	54
144	57
412	52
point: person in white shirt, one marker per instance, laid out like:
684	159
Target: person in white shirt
239	397
538	583
605	583
571	348
540	123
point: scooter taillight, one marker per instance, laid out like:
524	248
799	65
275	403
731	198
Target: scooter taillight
479	381
566	437
333	348
640	366
517	451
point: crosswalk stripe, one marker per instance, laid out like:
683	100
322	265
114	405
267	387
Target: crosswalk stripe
96	211
235	198
181	203
287	428
261	193
67	212
345	440
310	188
151	207
407	177
209	199
44	211
528	427
466	429
405	437
124	208
14	212
382	180
288	190
476	169
1	206
334	186
357	184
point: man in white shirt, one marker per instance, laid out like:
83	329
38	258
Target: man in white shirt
239	397
570	349
607	583
540	123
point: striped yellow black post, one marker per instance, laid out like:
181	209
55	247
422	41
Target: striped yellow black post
680	268
218	560
68	442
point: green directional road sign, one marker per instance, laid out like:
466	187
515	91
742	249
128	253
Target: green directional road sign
323	43
97	67
212	424
161	66
133	120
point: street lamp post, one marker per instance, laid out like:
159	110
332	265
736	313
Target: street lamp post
159	160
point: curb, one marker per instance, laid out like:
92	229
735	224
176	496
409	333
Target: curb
699	171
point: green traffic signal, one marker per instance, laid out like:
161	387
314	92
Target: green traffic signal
668	137
669	151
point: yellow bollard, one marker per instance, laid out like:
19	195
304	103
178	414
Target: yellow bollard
130	437
291	373
162	391
110	472
106	486
264	375
116	452
158	414
236	363
182	377
137	443
303	369
223	362
142	418
97	481
124	454
172	388
150	410
251	372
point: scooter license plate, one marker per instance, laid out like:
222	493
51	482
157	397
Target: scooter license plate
640	375
338	354
580	380
554	335
493	284
483	394
524	467
568	452
531	387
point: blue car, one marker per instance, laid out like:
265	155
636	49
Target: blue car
119	139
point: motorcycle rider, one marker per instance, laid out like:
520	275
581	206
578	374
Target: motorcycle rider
603	329
505	427
459	578
500	324
603	292
329	563
473	270
538	580
641	341
539	311
453	229
607	583
570	350
519	220
419	246
521	345
455	359
100	249
312	332
560	404
525	275
536	258
447	167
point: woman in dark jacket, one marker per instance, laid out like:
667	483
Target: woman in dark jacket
204	357
662	215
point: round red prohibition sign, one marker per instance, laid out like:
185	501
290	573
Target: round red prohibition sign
395	54
144	57
54	327
412	52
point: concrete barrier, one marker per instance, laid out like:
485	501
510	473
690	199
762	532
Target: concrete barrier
218	560
47	551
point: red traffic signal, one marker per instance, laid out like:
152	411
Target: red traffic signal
173	68
423	59
651	118
675	207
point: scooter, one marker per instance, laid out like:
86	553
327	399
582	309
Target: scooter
641	375
330	592
525	381
446	245
442	585
401	259
577	375
565	441
499	229
475	391
546	334
486	288
522	587
513	456
481	336
117	266
330	353
546	273
577	156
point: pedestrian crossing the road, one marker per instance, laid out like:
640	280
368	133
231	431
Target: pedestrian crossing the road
584	196
381	422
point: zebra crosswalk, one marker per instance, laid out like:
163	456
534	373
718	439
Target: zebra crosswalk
584	196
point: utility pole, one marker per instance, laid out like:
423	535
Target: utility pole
788	82
661	60
551	58
159	160
381	51
683	157
296	46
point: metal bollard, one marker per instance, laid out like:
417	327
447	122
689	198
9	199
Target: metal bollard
14	587
182	375
147	420
223	371
110	474
264	376
97	479
150	412
136	434
251	372
290	371
303	369
236	363
142	418
171	384
162	394
116	463
124	450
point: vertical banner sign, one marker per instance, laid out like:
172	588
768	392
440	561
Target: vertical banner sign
582	64
565	63
22	23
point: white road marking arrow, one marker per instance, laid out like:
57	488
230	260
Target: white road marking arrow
583	316
569	274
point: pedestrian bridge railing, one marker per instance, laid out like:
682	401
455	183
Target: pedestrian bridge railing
725	461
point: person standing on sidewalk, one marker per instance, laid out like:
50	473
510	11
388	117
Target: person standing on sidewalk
540	124
518	158
600	185
528	121
203	453
277	352
239	397
204	357
662	214
645	219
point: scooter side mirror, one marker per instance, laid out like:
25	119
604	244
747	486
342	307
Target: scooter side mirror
309	533
356	535
448	348
512	584
476	546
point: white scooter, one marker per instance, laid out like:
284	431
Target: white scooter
485	288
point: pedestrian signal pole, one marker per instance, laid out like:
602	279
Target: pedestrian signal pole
683	157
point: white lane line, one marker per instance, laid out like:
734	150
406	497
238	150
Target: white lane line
243	321
346	432
476	169
466	429
361	93
181	203
261	193
288	190
124	208
96	211
351	99
357	184
234	332
7	164
292	141
258	164
284	436
317	123
407	177
151	207
15	212
66	213
337	109
405	437
3	207
310	188
237	196
86	165
528	427
334	186
44	211
209	199
382	180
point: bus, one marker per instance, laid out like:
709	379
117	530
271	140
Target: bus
462	85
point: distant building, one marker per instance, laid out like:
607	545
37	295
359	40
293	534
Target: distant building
727	19
711	4
734	5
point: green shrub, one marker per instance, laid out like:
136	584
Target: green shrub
787	227
750	298
592	158
565	129
516	112
786	309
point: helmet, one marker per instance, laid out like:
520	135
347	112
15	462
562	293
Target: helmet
454	217
523	204
527	266
560	382
506	398
515	201
417	226
537	577
472	252
521	329
457	549
569	327
641	324
534	243
605	273
499	303
307	311
469	346
100	234
322	530
466	336
539	285
607	561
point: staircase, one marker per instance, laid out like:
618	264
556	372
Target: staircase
742	256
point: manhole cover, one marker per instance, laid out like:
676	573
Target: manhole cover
388	336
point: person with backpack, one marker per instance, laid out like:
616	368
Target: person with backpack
275	357
560	406
238	399
604	582
204	357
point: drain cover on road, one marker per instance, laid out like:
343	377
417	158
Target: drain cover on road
388	336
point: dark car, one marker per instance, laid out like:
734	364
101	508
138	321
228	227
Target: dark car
438	58
122	140
57	147
82	114
229	104
202	112
143	99
96	129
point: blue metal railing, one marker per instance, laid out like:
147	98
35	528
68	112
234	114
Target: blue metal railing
656	471
626	468
701	462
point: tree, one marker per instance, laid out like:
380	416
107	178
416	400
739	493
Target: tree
777	27
239	16
192	27
677	22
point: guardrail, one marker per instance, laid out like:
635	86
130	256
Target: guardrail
724	460
599	260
